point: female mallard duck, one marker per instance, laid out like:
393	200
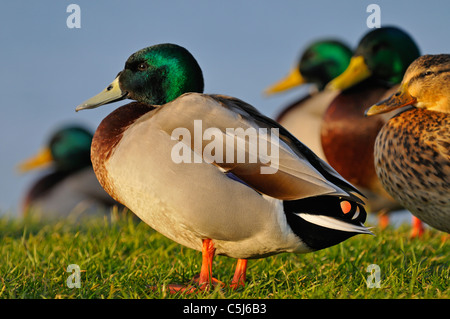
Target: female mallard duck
347	136
412	150
321	62
72	187
144	157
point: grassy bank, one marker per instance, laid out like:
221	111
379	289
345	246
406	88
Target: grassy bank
124	258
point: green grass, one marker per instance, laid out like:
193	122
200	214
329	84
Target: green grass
124	258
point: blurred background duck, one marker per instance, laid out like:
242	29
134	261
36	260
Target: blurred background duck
321	62
375	70
412	150
71	187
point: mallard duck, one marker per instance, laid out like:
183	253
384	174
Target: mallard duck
71	187
380	60
412	150
321	62
145	158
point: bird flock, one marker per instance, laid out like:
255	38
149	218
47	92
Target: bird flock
373	135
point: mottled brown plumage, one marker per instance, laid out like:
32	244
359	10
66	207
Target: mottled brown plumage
412	151
412	158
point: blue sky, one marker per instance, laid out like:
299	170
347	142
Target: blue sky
46	69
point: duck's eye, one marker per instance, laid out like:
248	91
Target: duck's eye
142	66
427	73
379	46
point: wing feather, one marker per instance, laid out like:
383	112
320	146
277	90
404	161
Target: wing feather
293	171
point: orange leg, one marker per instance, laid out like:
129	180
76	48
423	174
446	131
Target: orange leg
205	279
417	228
383	220
239	274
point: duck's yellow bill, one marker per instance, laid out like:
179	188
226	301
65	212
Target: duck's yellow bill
42	158
356	72
293	79
399	99
111	93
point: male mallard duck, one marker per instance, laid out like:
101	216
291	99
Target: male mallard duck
348	137
412	150
144	157
71	187
321	62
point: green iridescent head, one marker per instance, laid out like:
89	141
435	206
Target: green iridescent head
71	148
383	54
67	150
155	75
388	52
321	62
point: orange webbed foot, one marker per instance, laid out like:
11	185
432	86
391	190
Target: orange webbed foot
204	281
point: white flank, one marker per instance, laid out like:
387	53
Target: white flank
333	223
